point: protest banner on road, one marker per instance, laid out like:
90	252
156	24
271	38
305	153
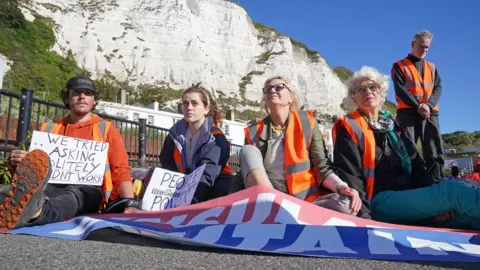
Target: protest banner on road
74	161
263	219
168	189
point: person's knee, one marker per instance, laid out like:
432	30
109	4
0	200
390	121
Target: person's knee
453	186
89	197
337	202
249	151
451	190
250	159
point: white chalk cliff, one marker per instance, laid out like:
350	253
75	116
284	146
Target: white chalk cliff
187	41
4	67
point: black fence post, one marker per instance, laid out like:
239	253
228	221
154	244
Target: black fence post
142	146
24	115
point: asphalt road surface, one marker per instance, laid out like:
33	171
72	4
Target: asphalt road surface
111	249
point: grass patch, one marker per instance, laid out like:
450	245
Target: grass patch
246	80
312	54
264	57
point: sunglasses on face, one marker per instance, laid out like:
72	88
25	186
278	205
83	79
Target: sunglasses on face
374	88
278	87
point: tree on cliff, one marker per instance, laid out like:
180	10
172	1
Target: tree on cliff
28	45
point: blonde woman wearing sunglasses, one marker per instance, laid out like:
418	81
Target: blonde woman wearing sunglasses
286	151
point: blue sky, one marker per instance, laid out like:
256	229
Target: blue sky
377	33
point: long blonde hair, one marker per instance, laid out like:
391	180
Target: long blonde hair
293	93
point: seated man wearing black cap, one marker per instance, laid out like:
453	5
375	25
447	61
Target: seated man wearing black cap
32	202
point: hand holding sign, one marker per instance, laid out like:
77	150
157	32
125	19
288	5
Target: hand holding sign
168	189
74	161
16	157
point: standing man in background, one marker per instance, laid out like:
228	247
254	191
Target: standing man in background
417	90
454	170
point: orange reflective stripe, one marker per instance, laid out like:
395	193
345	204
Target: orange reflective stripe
307	121
50	127
433	71
47	127
336	128
43	127
420	87
227	170
358	128
177	157
215	130
301	181
253	132
100	131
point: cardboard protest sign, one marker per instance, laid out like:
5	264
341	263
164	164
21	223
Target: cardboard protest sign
169	189
74	161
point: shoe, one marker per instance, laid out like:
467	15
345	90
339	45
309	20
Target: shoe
4	190
119	205
27	194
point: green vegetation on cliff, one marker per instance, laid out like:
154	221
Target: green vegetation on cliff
343	73
313	55
35	65
28	45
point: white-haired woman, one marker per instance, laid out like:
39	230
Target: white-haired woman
374	156
285	151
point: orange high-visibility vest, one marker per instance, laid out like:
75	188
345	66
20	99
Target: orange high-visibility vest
301	181
100	131
361	133
177	156
419	87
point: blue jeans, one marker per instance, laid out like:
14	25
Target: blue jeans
410	206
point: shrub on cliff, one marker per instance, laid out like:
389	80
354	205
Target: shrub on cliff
28	45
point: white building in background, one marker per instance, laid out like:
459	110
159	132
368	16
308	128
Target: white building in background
234	131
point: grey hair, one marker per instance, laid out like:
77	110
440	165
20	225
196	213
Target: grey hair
372	74
424	34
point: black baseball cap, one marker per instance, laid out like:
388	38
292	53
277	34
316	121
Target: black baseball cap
81	82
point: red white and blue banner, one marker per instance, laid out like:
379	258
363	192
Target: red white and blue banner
265	220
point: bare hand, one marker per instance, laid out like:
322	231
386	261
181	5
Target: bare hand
16	157
355	203
132	210
424	110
